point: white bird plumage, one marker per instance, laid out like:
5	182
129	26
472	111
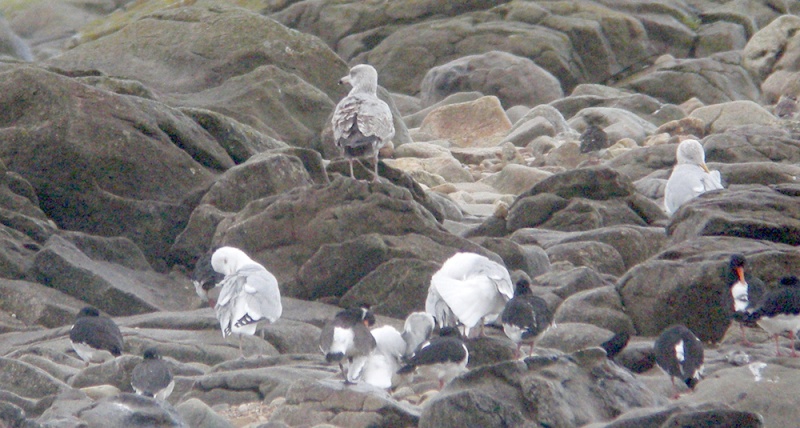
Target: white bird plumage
690	177
473	287
417	328
362	123
384	361
249	292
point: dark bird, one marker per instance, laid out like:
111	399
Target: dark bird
153	376
616	344
362	122
680	354
786	107
250	293
92	334
779	312
443	357
205	278
347	341
746	290
525	317
592	139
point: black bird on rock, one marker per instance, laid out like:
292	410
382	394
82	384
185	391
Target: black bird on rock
746	290
525	317
92	334
153	376
779	312
443	357
347	340
680	354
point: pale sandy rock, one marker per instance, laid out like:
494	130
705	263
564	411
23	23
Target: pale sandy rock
719	36
721	117
446	167
515	179
481	123
421	150
781	82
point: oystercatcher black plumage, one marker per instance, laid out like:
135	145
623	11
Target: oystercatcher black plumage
93	333
525	316
153	377
347	341
746	291
443	357
680	354
779	312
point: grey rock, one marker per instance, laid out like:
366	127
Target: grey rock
132	410
599	256
513	79
601	307
198	415
566	283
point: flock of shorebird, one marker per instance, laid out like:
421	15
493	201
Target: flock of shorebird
467	293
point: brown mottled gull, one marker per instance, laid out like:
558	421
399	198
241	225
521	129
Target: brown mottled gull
362	123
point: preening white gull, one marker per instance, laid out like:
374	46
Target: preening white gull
347	341
384	361
153	377
690	177
473	287
92	335
249	293
362	123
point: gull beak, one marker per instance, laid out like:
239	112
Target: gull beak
705	167
345	79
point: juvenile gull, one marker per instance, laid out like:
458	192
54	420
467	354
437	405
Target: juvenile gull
362	123
94	334
690	177
472	287
347	341
249	293
152	377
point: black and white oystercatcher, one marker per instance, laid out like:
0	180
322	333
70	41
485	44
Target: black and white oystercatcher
473	287
746	290
779	312
417	328
525	317
250	293
443	357
153	376
362	122
347	341
93	335
680	354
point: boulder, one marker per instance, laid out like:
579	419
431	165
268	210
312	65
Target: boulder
758	212
601	307
514	80
111	287
720	117
283	88
481	123
132	410
715	79
539	391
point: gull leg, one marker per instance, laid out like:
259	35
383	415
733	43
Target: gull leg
350	161
375	177
777	348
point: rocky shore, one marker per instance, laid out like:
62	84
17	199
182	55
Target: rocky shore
135	136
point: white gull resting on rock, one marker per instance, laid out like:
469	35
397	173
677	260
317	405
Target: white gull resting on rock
362	123
384	361
417	329
249	293
472	288
690	176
